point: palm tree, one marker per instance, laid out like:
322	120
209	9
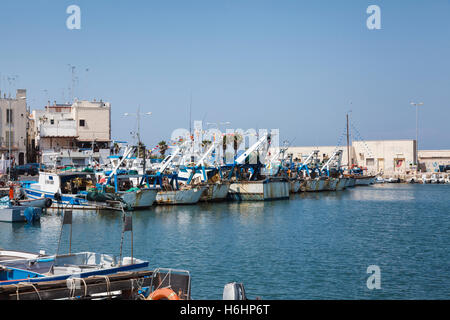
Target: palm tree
116	148
206	144
237	140
163	147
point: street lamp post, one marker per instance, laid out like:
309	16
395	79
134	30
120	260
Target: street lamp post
417	132
138	115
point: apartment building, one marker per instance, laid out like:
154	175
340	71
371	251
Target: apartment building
73	129
13	126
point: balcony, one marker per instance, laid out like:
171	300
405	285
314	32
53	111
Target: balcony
61	129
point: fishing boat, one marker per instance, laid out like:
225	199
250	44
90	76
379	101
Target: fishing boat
364	180
216	191
64	189
189	195
249	184
61	267
269	189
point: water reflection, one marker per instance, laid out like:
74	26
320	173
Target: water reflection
384	192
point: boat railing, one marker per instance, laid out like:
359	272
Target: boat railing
176	279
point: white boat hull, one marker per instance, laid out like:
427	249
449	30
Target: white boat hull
188	196
215	192
363	181
259	190
142	198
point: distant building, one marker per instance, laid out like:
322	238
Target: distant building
13	126
381	156
72	130
431	160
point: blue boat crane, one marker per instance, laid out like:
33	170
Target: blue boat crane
305	165
173	177
201	165
239	163
335	159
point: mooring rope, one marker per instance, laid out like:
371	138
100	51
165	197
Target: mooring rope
108	285
73	287
25	284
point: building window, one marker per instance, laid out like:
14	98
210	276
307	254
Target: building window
8	133
9	118
370	162
52	121
82	123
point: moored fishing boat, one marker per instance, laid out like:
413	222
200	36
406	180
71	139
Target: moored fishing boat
181	196
363	180
268	189
61	267
64	189
139	198
216	191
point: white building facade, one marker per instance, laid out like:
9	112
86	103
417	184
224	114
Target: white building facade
377	156
13	127
79	131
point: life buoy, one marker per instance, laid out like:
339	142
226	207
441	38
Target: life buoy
164	293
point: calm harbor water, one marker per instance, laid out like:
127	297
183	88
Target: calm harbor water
315	246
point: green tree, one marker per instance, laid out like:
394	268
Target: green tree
163	147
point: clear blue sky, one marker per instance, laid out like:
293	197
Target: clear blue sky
288	64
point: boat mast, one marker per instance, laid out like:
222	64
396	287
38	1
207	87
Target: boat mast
348	147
